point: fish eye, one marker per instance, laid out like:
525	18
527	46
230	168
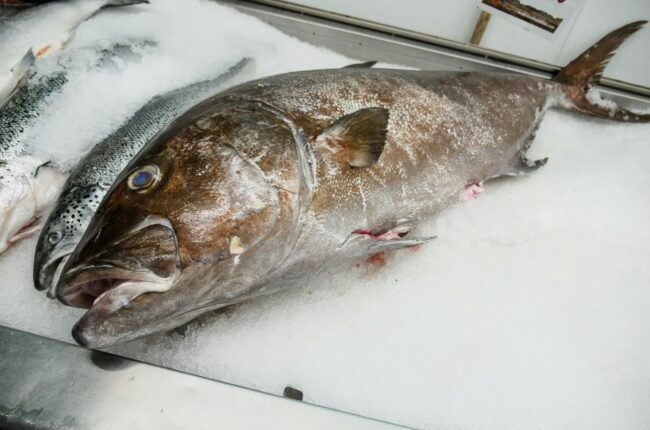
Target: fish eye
143	177
54	237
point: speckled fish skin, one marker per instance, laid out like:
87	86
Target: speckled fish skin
251	189
42	31
93	175
22	112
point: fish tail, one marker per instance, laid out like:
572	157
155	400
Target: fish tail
581	74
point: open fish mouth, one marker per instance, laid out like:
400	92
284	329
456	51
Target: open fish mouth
110	288
110	278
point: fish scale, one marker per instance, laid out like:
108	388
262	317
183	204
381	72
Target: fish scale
91	178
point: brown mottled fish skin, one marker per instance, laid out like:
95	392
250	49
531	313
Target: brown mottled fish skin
254	188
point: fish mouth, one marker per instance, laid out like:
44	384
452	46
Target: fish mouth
108	280
110	287
48	276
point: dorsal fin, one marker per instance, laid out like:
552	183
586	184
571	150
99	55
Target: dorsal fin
366	65
359	137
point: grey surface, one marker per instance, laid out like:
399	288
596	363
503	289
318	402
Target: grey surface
50	384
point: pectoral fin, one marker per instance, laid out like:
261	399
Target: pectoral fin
393	239
359	137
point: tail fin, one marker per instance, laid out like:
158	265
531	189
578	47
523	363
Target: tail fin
586	70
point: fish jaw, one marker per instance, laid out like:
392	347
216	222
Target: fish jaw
109	282
113	297
129	311
25	197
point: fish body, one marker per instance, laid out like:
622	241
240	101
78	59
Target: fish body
91	178
298	172
38	32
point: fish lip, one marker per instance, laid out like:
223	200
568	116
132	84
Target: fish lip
49	273
102	278
110	300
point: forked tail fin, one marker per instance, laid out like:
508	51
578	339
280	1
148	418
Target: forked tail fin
586	70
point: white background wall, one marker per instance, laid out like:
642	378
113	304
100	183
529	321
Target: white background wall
455	19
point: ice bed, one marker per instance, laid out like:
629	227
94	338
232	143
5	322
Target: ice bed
528	311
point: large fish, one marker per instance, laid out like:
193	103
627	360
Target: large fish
93	175
289	174
38	32
29	184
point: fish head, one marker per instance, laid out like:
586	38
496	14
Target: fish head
197	221
28	188
62	232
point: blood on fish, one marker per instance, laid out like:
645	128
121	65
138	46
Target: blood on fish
471	192
385	235
378	259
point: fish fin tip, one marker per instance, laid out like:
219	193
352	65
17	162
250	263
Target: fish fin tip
364	65
360	136
118	3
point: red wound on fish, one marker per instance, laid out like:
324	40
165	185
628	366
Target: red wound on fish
471	192
385	235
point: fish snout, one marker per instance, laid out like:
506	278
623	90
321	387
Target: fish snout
146	259
62	232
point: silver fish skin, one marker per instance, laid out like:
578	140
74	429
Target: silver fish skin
41	31
91	178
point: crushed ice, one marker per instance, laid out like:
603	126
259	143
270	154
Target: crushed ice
531	307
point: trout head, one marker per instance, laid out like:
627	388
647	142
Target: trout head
196	221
